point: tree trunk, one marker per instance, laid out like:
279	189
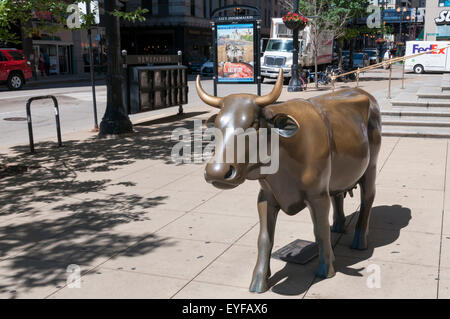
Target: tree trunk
27	49
315	70
316	52
116	120
340	44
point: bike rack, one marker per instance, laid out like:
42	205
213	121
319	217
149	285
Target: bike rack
30	126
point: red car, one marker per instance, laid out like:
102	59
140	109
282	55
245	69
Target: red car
15	69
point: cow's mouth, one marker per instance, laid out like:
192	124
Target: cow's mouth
224	185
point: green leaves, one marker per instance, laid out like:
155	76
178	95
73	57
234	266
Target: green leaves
138	14
49	16
332	15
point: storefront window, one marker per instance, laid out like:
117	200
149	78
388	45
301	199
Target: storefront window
443	32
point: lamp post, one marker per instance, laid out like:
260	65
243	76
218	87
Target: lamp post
294	83
402	12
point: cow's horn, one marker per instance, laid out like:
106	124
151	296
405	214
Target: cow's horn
208	99
274	95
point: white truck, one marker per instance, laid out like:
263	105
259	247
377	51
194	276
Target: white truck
278	53
437	61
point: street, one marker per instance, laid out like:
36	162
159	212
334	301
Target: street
76	108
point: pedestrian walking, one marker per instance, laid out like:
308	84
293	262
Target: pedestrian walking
387	56
41	66
47	63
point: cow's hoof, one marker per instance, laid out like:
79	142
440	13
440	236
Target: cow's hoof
259	285
338	227
325	271
359	240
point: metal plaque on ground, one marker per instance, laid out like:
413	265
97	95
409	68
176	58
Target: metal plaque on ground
297	252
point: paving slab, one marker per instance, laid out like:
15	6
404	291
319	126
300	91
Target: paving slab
180	200
394	246
21	277
105	283
414	210
445	257
395	281
202	290
235	268
165	256
444	289
209	227
236	205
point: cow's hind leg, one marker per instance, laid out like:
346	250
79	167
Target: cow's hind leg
268	212
367	184
338	214
320	209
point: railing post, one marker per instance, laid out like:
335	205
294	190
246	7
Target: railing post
357	78
333	78
403	74
390	80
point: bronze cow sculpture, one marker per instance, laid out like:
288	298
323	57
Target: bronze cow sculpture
333	147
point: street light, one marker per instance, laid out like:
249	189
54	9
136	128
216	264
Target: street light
402	11
294	83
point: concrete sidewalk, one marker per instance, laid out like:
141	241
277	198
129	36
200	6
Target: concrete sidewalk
139	226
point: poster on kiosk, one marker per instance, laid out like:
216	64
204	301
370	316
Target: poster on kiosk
236	53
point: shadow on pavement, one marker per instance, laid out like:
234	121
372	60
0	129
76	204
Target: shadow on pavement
75	228
291	280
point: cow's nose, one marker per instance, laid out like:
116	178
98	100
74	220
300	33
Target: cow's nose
220	172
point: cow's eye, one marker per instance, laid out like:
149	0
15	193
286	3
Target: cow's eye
285	125
210	122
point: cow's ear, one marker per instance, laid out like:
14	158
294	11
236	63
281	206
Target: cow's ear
210	122
284	125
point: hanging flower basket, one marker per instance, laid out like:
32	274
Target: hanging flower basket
295	21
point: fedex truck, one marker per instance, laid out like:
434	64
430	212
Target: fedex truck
278	52
437	61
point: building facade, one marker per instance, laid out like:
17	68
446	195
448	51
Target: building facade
185	25
437	28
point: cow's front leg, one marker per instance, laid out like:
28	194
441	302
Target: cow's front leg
268	211
320	208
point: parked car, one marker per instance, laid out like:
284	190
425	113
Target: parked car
207	68
194	67
15	69
373	55
360	59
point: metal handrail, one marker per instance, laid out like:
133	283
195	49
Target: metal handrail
384	63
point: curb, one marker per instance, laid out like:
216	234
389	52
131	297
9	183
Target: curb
38	83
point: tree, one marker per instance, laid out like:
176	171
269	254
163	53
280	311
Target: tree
326	16
52	16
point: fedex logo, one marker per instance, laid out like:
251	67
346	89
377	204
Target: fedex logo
418	49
